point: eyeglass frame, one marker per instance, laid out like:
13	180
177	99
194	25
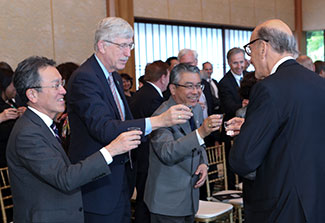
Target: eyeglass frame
247	47
191	87
122	46
55	86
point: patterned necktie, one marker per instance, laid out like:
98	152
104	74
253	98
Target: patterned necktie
114	92
118	104
56	132
192	124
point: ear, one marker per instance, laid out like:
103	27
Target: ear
263	49
172	89
101	46
32	95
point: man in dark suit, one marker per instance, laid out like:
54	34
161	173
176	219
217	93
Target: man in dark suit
230	98
44	184
144	102
282	136
177	158
98	112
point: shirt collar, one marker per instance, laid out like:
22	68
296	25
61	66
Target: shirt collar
106	73
48	121
157	88
281	61
236	76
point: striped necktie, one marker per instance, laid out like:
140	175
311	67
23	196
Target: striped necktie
56	132
114	92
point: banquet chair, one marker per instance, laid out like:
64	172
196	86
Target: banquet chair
218	175
214	212
5	194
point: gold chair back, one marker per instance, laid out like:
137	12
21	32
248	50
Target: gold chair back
5	194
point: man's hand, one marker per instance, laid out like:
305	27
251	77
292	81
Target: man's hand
124	142
234	125
210	124
8	114
177	114
202	169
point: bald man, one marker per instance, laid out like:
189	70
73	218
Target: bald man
306	61
282	139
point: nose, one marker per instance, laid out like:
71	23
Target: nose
127	52
62	90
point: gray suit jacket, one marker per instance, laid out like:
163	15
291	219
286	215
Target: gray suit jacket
174	156
44	184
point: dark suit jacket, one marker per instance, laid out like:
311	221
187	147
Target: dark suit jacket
44	184
283	140
143	104
229	96
95	122
5	129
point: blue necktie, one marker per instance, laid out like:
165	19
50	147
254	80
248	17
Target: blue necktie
56	132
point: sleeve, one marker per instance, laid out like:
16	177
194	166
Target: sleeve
87	99
48	163
257	132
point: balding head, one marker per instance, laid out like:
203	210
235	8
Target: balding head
306	61
274	41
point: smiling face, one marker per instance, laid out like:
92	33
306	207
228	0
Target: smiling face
48	99
237	62
126	84
112	56
183	95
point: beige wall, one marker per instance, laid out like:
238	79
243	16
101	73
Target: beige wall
58	29
313	15
245	13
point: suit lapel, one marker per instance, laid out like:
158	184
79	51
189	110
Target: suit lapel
44	129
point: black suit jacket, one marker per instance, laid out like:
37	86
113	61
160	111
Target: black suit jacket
143	104
95	122
44	184
283	140
229	96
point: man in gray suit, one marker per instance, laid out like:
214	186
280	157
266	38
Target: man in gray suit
45	185
177	159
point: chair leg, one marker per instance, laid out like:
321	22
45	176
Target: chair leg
231	217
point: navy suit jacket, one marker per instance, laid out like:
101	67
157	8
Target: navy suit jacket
283	140
229	96
95	122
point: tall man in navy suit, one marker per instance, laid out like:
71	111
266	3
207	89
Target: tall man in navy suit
282	136
98	112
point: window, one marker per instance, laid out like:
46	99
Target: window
315	45
160	41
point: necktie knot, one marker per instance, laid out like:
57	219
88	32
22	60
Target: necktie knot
56	132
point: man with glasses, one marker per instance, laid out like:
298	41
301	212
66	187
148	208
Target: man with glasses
177	158
98	113
44	184
282	136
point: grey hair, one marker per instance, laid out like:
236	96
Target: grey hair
280	41
110	28
183	52
234	51
179	69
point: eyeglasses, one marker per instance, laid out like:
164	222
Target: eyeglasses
55	86
191	86
248	48
122	46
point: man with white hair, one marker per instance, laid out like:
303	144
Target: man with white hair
98	113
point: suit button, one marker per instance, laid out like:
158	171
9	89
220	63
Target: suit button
80	209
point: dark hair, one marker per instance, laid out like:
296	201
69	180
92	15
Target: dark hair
319	66
179	69
246	85
141	79
206	63
127	77
5	79
27	75
169	59
155	70
6	66
66	69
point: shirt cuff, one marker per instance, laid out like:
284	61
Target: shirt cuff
201	141
148	127
107	156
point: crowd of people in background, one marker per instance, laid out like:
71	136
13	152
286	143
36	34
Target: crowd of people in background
90	165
